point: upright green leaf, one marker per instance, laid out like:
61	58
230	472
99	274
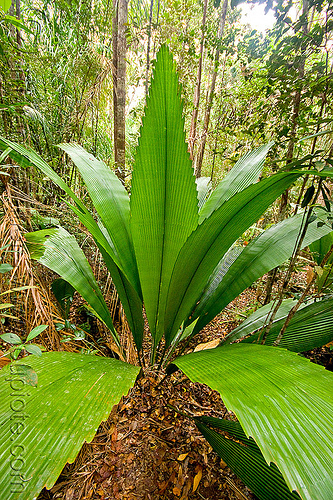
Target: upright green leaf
44	427
164	198
129	292
283	401
209	242
56	249
269	250
129	298
245	172
26	156
111	202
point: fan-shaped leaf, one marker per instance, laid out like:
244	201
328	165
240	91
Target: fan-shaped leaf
26	156
111	202
210	241
56	249
310	327
164	197
44	427
245	172
273	247
281	400
265	481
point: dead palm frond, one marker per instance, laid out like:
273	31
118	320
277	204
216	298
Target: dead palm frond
33	305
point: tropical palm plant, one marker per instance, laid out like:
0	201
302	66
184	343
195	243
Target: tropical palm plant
179	261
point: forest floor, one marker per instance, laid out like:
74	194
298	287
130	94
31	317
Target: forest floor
148	451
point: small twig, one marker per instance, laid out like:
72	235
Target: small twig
234	487
301	235
294	309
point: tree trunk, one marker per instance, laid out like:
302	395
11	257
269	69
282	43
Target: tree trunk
296	110
193	129
119	83
211	93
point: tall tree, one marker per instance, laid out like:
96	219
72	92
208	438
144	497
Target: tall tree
210	98
119	83
193	129
300	64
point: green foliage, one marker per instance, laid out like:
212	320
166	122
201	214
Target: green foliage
74	394
278	386
161	254
310	327
243	456
18	345
64	293
320	249
5	4
267	251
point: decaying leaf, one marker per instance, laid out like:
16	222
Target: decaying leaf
207	345
3	360
196	480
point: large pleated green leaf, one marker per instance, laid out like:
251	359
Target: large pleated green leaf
111	202
129	298
210	241
258	319
281	400
232	428
44	427
164	200
245	172
265	481
129	292
273	247
56	249
26	156
310	327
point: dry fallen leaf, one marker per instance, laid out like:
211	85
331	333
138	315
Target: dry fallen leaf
176	491
3	360
196	480
69	494
309	274
207	345
182	457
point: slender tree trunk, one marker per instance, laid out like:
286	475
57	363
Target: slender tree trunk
211	93
296	110
322	109
193	129
119	83
218	125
